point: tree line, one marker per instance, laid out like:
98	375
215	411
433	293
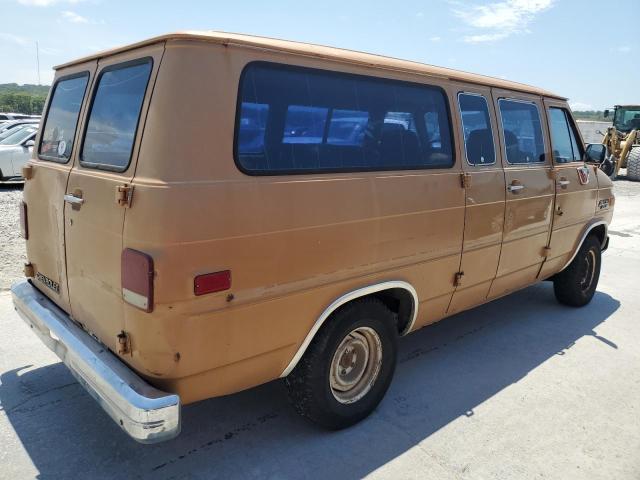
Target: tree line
27	99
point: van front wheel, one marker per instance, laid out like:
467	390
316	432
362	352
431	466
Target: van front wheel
576	284
348	366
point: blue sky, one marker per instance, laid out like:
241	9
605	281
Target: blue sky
567	46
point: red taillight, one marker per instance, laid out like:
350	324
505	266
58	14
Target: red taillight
212	282
24	226
137	279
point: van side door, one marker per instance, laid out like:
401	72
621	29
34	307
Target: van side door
95	203
530	190
484	184
576	186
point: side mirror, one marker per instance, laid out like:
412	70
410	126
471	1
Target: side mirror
29	143
595	153
606	113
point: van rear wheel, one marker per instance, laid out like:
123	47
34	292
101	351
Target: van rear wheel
348	367
576	284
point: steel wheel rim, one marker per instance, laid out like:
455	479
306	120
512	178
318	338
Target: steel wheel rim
355	365
589	271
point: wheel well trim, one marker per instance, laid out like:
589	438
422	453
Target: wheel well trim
584	236
346	298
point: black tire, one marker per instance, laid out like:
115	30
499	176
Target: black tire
309	384
633	164
576	284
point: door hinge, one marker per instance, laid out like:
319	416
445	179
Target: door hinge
29	271
457	281
124	343
546	251
465	180
124	195
27	172
553	173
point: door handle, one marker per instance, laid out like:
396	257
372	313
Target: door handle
563	182
515	187
73	199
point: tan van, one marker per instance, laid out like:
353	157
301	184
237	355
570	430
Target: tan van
206	212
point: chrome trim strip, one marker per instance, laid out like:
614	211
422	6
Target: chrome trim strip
361	292
584	236
73	200
148	415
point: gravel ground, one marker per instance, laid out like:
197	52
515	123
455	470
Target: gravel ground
12	251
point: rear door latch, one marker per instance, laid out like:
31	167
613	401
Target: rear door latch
124	195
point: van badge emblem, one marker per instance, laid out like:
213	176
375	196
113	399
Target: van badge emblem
55	286
583	175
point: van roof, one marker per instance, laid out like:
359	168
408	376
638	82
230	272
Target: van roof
321	51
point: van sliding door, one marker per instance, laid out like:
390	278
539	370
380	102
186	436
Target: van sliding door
530	190
484	196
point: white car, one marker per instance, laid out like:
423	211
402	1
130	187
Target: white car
15	151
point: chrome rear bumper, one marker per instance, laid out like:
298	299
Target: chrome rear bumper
148	415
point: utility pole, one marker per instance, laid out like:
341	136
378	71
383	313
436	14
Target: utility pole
38	61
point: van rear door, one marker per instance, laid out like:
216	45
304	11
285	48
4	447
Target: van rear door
56	144
104	166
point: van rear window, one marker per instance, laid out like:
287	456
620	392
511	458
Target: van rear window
113	119
300	120
60	124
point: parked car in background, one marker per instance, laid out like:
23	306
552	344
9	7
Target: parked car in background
7	127
17	116
15	151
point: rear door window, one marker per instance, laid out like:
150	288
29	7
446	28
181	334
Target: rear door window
522	131
563	138
476	124
60	124
114	116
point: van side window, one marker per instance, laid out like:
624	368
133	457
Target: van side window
253	121
522	131
59	130
114	116
476	124
320	121
563	138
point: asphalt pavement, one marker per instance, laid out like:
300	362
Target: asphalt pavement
519	388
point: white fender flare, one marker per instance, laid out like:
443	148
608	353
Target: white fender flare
361	292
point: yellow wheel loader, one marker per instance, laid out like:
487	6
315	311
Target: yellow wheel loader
623	142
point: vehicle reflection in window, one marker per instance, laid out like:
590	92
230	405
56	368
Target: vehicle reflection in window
522	131
62	118
114	116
